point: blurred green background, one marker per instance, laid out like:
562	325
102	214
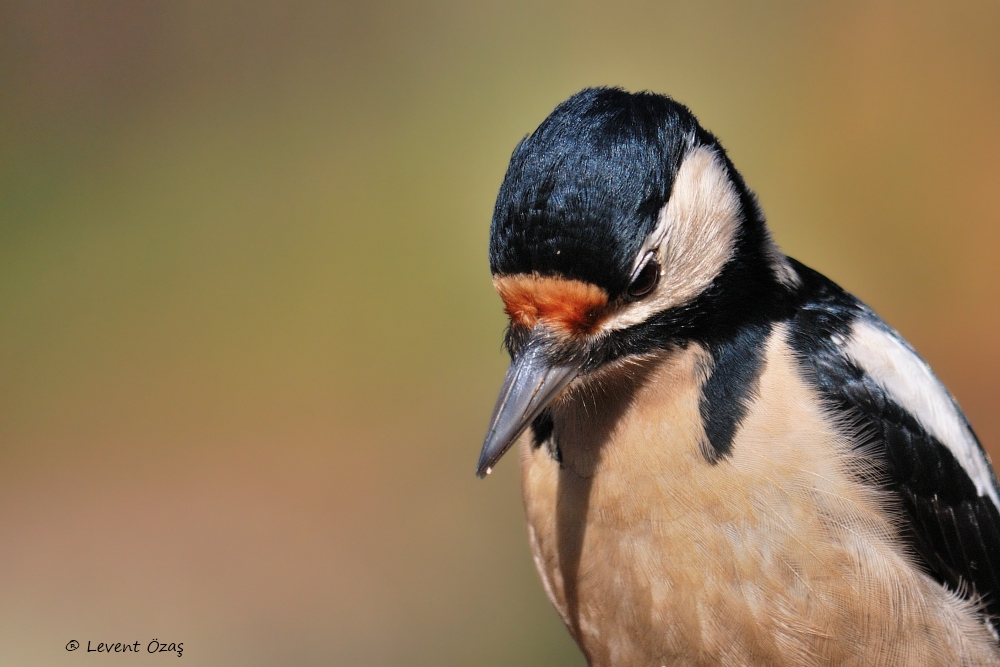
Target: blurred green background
248	341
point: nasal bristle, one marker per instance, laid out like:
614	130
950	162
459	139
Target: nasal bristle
573	306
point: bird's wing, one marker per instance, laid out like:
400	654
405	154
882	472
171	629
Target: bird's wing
931	458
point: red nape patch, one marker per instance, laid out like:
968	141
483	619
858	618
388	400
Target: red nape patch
572	306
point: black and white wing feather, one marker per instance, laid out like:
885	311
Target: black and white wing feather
932	459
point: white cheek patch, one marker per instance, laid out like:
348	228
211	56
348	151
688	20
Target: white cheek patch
694	237
909	381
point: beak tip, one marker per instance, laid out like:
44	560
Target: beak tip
484	467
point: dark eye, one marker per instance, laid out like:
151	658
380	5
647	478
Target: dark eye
644	281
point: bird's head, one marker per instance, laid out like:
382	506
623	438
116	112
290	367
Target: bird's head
621	228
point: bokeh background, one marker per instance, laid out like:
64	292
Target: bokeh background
248	341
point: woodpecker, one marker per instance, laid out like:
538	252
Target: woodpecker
726	459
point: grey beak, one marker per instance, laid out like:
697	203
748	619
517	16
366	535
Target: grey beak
532	383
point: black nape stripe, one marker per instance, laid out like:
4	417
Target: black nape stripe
728	392
541	434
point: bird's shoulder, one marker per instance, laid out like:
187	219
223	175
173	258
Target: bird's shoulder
931	460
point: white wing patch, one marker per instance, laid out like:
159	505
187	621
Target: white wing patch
909	381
